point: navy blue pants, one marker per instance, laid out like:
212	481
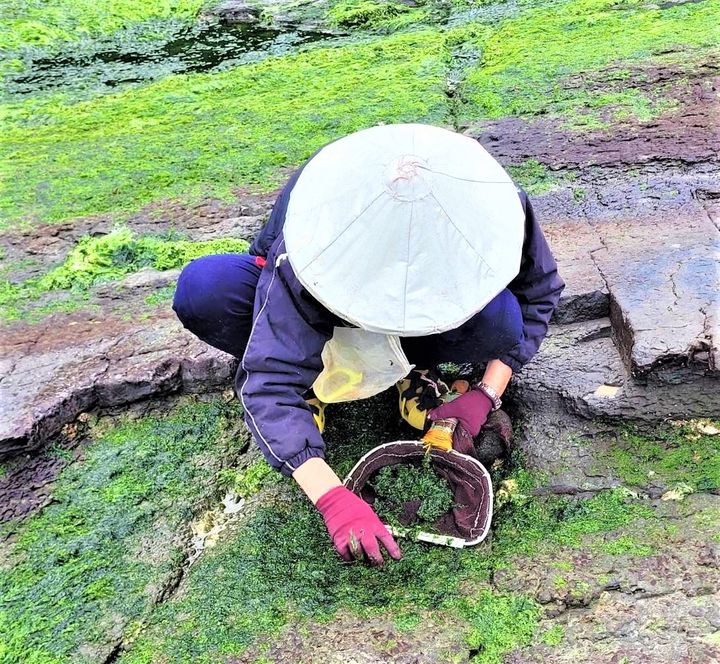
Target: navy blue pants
215	296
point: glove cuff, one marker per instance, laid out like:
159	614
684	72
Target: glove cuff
490	393
329	498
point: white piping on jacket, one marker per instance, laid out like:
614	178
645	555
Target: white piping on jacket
279	259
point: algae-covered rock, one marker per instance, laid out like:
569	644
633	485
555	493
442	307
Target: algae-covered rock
92	563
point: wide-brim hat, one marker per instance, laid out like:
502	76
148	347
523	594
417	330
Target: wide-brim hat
404	229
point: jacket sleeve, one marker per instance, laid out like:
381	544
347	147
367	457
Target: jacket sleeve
281	361
537	287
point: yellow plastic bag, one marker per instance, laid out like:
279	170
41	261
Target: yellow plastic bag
358	364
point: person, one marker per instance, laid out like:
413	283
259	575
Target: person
409	238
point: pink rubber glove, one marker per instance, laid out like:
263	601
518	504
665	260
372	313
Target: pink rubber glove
354	528
470	409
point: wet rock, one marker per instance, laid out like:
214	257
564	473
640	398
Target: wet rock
145	280
688	134
585	296
663	279
236	11
24	488
573	394
349	640
635	335
618	628
661	607
302	16
71	364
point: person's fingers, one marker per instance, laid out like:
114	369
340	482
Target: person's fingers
460	386
345	554
342	546
372	549
441	412
388	541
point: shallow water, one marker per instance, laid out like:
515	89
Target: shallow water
132	57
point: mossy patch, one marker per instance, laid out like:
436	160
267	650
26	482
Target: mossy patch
198	135
536	63
626	545
107	258
189	136
85	567
374	15
41	23
162	296
248	481
499	623
534	177
279	568
553	636
671	455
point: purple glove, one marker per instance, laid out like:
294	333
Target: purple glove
470	409
354	528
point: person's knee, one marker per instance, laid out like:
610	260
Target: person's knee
211	288
187	301
214	299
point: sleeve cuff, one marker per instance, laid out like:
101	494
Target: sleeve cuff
512	362
293	463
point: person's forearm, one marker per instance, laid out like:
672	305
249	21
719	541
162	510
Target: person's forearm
316	478
497	375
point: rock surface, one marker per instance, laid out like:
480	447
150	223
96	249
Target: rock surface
68	365
348	641
660	608
688	135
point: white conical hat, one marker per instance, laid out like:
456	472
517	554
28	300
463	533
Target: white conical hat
404	229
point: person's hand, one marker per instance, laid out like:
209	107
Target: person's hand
470	409
355	529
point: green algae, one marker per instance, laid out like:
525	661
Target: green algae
374	15
96	259
553	636
396	485
499	623
279	568
161	296
671	455
626	545
248	481
528	525
37	22
535	178
87	564
198	135
190	136
536	63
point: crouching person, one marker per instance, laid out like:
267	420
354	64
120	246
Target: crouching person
394	247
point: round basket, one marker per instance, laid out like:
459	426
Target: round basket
466	524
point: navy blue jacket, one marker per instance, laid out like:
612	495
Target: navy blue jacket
283	355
